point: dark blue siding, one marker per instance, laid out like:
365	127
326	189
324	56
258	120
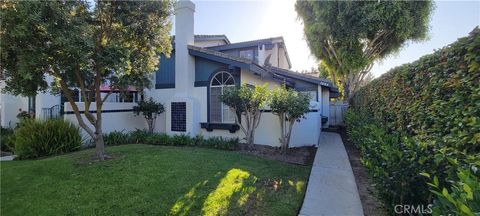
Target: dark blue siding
165	76
204	70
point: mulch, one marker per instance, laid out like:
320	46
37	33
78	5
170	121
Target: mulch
370	204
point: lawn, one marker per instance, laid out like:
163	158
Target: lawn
152	180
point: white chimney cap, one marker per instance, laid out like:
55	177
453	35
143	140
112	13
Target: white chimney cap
185	4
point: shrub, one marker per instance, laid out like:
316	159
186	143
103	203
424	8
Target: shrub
182	140
116	138
42	138
138	136
143	136
7	139
220	143
158	139
393	161
425	116
150	109
463	198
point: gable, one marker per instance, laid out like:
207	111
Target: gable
205	69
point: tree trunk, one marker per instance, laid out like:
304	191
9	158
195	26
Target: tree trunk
150	125
99	145
288	135
281	117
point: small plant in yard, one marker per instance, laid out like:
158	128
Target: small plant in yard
149	109
246	101
158	139
42	138
138	136
463	198
7	139
290	106
181	140
116	138
22	115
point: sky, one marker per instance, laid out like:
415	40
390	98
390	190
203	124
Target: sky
251	20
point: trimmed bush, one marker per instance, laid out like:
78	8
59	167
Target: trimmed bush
42	138
423	117
143	136
7	139
181	140
158	139
138	136
220	143
116	138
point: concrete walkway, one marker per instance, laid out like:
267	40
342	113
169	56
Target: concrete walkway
331	188
7	158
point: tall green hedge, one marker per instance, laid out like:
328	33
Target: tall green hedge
432	106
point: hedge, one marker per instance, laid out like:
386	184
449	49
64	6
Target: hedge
143	136
427	113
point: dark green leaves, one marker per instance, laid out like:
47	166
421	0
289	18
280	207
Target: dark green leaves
434	105
294	104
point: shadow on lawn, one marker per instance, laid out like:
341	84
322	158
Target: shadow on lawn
237	192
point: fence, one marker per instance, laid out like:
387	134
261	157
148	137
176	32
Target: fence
52	112
337	112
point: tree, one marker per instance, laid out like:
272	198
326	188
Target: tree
82	46
149	109
349	36
289	105
246	101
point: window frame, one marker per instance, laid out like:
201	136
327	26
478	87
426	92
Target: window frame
222	84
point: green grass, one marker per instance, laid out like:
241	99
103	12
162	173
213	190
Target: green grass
152	180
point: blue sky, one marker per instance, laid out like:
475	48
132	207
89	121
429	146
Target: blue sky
250	20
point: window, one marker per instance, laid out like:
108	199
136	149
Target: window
179	116
248	54
220	112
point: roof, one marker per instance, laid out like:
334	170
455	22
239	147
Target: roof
211	37
253	43
245	44
304	77
227	59
207	38
274	72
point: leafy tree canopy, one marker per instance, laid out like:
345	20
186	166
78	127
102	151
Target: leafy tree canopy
350	35
290	106
149	109
82	46
247	101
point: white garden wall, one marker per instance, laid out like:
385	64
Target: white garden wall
9	108
115	117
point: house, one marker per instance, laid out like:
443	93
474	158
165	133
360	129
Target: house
189	82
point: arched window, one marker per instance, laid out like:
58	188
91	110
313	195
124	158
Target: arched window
220	112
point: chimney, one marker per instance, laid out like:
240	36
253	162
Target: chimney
184	63
182	112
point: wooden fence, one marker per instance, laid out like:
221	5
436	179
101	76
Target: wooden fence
337	112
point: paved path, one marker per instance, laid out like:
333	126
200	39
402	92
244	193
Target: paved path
7	158
331	188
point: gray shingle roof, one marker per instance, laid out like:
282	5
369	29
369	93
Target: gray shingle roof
247	63
305	77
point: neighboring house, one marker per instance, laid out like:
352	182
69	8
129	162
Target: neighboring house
197	72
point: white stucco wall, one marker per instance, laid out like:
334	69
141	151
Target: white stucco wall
250	78
282	57
9	108
45	100
325	104
111	121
